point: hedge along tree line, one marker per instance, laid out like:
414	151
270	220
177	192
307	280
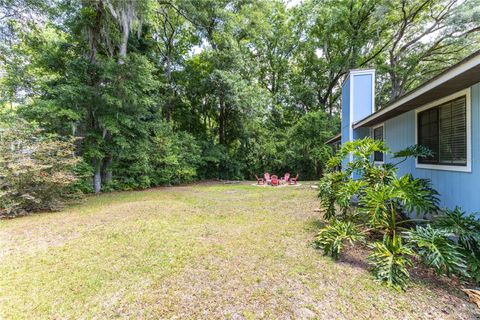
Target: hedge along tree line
381	217
41	171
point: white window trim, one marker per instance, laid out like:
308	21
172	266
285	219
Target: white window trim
372	129
436	103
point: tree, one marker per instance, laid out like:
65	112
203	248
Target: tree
426	36
341	35
255	83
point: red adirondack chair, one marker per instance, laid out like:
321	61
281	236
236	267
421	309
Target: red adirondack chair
260	180
266	177
274	180
285	178
293	180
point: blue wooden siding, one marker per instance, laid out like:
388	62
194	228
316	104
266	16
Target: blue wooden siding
361	133
455	188
362	93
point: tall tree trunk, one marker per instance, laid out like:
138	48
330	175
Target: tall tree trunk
396	87
221	122
122	54
97	176
106	171
93	35
168	74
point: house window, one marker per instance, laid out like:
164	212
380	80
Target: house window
443	129
378	135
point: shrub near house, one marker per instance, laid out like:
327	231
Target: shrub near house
382	212
37	170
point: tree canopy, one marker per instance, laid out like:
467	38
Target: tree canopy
168	91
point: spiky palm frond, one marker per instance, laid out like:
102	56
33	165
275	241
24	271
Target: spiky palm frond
347	191
335	189
473	263
376	205
466	228
413	151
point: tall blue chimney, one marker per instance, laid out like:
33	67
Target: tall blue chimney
358	102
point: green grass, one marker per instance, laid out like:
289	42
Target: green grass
202	251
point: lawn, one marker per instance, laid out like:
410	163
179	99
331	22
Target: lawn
208	251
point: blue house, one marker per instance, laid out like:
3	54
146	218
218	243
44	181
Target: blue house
442	114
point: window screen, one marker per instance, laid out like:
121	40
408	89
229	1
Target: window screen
443	129
378	135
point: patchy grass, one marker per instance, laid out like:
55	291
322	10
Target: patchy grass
201	251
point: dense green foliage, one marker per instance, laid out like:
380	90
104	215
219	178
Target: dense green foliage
465	228
165	92
390	260
36	169
371	199
437	250
333	237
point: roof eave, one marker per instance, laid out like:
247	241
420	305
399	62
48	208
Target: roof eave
460	76
335	138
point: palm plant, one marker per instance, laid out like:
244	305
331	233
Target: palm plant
465	226
329	187
336	191
386	204
361	152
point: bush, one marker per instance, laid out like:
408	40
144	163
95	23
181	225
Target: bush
36	169
333	237
390	259
465	228
437	250
167	157
380	203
